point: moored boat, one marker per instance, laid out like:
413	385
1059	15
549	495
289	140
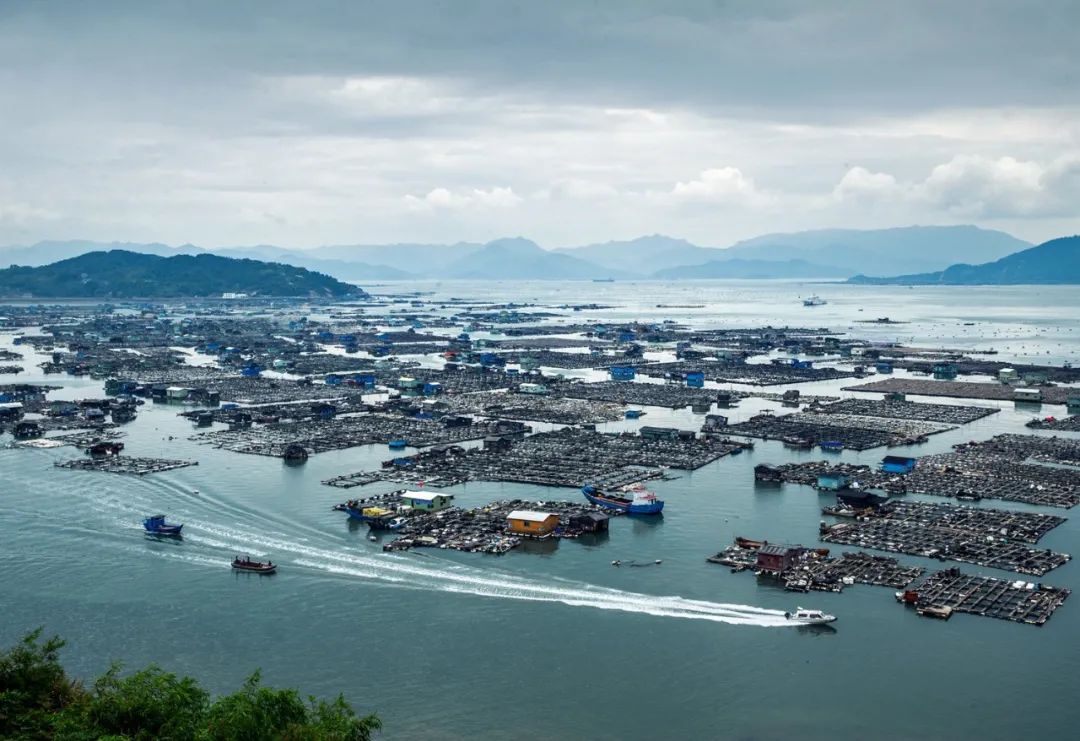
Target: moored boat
156	525
634	500
244	563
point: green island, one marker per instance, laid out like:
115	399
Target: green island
124	274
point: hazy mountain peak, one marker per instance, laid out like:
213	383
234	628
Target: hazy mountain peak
519	245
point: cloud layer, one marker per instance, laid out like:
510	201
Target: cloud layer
569	122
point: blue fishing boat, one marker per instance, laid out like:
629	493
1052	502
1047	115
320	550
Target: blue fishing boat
156	525
634	500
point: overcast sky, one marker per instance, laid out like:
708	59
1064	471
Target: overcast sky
306	123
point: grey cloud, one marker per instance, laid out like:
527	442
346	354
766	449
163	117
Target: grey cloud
235	122
793	58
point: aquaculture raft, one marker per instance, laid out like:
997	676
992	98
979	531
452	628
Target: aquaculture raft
1018	601
955	533
958	389
124	464
567	457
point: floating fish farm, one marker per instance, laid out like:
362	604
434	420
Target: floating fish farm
351	431
960	389
984	537
569	457
948	591
853	433
909	410
810	569
643	394
484	529
533	408
124	464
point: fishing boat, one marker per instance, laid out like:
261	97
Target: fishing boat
814	301
259	567
156	525
634	500
809	617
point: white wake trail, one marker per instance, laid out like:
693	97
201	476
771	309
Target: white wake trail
463	580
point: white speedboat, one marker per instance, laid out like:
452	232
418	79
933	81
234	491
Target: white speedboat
814	301
809	617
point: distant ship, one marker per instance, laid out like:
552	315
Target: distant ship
603	280
635	500
814	301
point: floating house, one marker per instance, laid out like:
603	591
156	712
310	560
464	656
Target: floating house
324	410
536	524
695	379
590	522
27	430
1028	395
1008	375
622	373
425	501
883	367
778	559
859	499
117	386
533	388
1072	404
945	371
1034	377
897	464
833	481
659	433
714	422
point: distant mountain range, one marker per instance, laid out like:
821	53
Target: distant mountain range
126	274
751	269
1053	262
832	253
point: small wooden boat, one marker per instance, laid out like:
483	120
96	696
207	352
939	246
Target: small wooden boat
156	525
259	567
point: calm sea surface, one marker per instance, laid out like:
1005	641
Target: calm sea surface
549	641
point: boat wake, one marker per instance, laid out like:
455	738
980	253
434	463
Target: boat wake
405	572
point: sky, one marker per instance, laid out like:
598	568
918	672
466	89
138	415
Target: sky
309	123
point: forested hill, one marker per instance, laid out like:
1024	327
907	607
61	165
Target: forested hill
124	274
1053	262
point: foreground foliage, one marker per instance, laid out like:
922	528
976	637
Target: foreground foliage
39	701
